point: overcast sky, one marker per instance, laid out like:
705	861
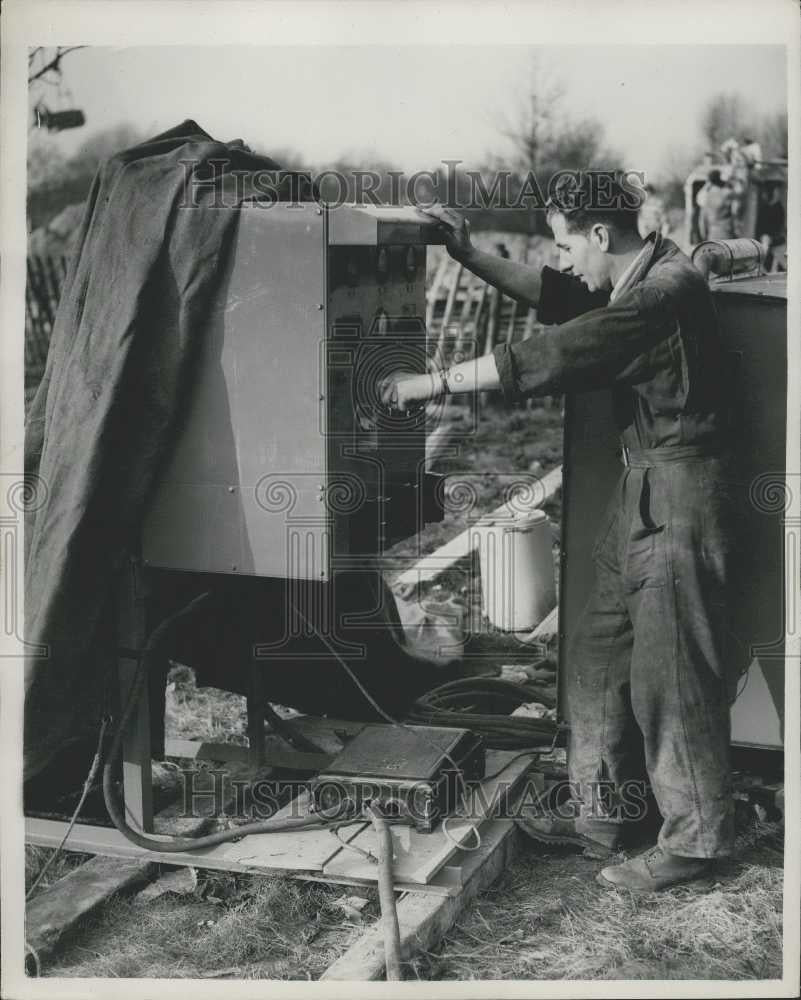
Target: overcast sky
411	105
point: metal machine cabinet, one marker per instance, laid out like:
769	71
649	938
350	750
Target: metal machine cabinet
753	318
286	465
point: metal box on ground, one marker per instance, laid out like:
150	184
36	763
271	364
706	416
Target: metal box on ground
286	465
413	773
753	319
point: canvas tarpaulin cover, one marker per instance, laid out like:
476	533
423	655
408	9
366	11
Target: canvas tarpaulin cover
149	259
147	262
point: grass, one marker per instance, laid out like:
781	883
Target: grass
546	918
36	858
203	713
229	928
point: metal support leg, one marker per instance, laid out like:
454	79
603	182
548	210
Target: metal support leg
255	706
137	777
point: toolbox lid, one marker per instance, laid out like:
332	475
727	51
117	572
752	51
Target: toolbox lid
413	753
769	286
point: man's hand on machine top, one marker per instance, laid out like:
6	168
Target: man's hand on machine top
519	281
457	229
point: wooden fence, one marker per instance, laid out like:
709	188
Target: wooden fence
42	292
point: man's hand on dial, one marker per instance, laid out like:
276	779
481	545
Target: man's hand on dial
402	390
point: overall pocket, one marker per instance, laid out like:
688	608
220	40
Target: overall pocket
644	559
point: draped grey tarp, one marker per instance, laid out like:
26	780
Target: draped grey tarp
146	264
149	256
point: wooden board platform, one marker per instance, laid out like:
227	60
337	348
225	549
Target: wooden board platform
424	917
436	876
314	853
419	856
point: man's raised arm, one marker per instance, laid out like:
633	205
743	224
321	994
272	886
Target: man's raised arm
515	280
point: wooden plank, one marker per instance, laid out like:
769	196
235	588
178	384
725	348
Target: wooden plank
430	566
267	853
436	442
424	917
547	627
433	292
330	736
115	850
419	856
510	328
290	760
295	850
439	356
531	316
55	911
122	866
452	293
284	851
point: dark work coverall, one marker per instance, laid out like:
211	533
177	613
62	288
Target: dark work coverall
649	656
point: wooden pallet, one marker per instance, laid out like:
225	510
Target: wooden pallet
443	864
312	853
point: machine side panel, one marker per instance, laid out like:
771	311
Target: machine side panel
244	488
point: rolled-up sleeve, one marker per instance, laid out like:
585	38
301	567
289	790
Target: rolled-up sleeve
596	349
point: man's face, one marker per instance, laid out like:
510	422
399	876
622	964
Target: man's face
581	254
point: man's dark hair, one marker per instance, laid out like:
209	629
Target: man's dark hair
716	178
587	197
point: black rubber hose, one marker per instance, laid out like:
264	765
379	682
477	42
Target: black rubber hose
180	844
458	703
386	896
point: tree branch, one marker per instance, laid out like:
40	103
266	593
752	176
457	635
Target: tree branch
54	65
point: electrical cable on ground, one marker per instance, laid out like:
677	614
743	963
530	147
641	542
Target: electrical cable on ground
435	703
90	777
454	704
386	896
178	844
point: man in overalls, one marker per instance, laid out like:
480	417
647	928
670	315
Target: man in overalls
648	668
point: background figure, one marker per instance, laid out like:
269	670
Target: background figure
652	217
751	151
716	220
772	228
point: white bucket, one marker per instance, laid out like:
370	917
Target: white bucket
518	587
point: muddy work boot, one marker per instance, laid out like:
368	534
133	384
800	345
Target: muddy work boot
652	871
563	833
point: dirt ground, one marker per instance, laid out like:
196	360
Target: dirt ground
545	918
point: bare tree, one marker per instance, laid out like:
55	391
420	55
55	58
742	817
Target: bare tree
532	132
772	134
725	116
44	64
546	138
